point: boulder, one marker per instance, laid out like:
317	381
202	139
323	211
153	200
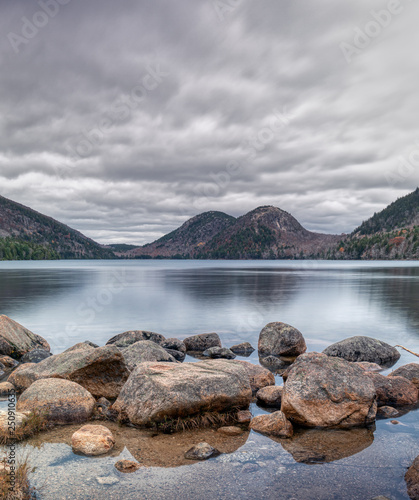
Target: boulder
35	356
412	480
178	355
145	350
127	338
8	362
86	345
280	339
219	352
273	424
364	349
201	451
6	388
243	417
396	391
127	466
258	376
243	349
275	364
92	440
16	340
202	342
270	396
174	344
64	402
324	391
156	392
102	371
410	371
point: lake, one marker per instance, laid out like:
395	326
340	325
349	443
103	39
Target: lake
71	301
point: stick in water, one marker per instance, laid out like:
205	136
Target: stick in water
408	350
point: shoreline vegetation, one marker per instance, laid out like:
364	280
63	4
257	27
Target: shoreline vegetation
139	380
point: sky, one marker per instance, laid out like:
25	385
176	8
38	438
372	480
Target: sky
123	119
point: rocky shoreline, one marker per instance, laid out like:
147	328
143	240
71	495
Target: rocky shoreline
140	379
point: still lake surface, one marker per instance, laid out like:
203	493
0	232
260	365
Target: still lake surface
71	301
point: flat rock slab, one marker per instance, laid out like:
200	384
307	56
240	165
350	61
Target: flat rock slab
155	392
16	340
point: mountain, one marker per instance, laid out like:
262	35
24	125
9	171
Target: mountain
187	240
28	235
392	233
264	233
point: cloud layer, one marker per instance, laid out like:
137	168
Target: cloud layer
123	119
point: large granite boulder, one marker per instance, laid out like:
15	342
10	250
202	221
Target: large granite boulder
280	339
412	480
274	424
63	402
202	342
155	392
323	391
145	350
16	340
102	371
92	440
258	376
392	390
364	349
125	339
410	371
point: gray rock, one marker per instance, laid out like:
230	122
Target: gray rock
174	344
219	352
280	339
16	340
202	342
410	371
245	348
35	356
201	451
131	337
364	349
145	350
178	355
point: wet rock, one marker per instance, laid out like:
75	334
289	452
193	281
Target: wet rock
410	371
412	480
174	344
387	412
380	498
63	401
16	340
6	388
127	466
274	364
394	422
230	430
125	339
202	342
258	376
86	345
19	420
324	446
274	424
145	350
102	371
280	339
201	451
157	391
92	440
243	349
243	417
324	391
364	349
178	355
8	362
270	396
219	352
396	391
369	367
103	403
35	356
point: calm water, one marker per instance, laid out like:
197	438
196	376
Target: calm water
68	302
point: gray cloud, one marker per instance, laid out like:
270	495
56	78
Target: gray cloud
124	119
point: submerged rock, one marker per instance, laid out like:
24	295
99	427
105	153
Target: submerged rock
16	340
410	371
364	349
102	371
127	466
155	392
243	349
201	451
412	480
35	356
125	339
274	424
202	342
64	402
270	396
323	391
396	391
280	339
219	352
258	376
145	350
92	440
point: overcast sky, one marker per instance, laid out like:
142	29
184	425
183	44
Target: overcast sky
123	119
